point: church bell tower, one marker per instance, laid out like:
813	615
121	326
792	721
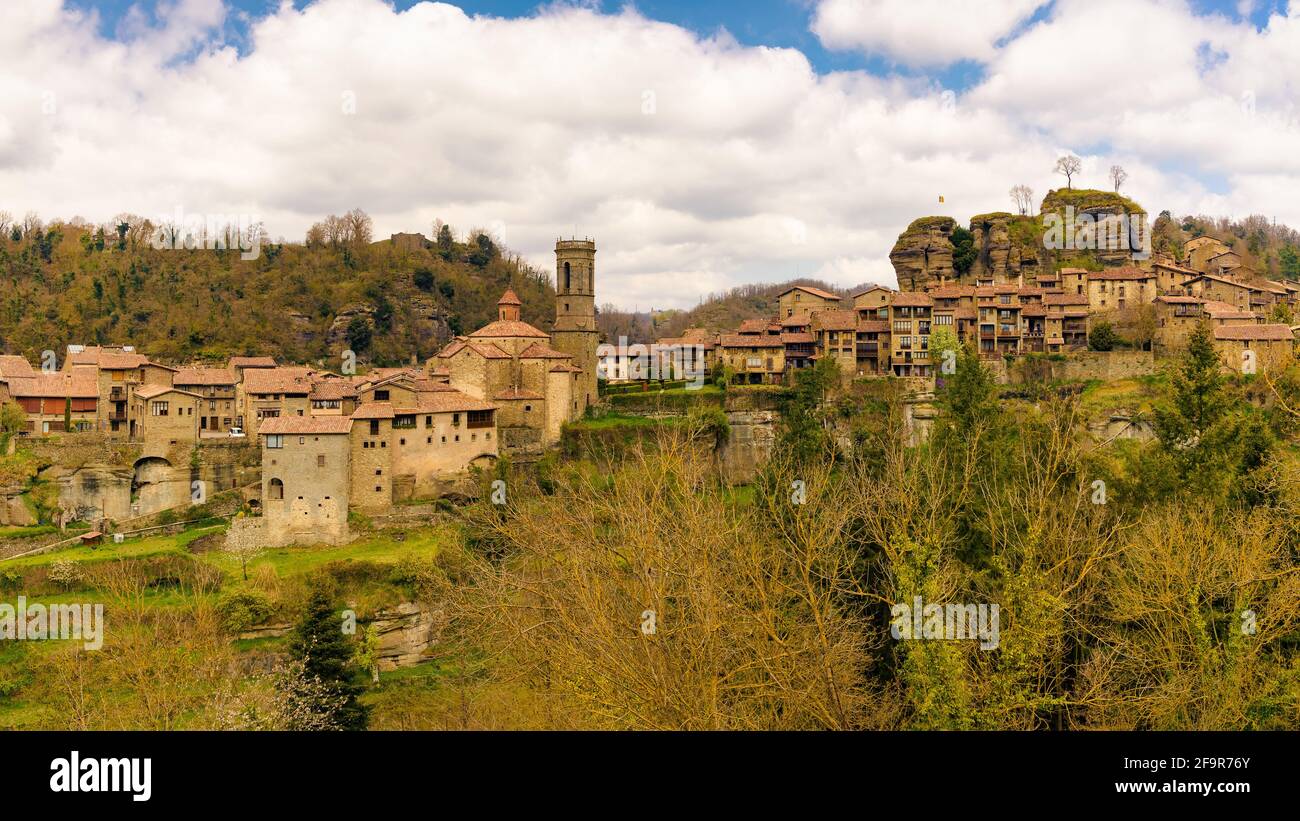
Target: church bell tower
574	332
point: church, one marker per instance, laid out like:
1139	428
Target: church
537	381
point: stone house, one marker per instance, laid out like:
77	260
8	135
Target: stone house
306	479
219	389
805	299
270	393
164	418
1263	347
1120	288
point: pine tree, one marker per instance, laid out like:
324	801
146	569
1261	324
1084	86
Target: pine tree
326	653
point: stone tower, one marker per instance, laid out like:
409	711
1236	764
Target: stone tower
575	312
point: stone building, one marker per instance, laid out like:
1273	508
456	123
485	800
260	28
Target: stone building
1262	348
513	367
574	332
219	389
57	401
306	479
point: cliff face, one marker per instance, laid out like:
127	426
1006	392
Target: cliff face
923	253
1013	248
1009	247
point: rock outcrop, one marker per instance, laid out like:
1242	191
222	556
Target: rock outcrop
1009	247
923	253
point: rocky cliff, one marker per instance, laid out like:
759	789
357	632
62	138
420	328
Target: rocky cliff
923	253
1015	247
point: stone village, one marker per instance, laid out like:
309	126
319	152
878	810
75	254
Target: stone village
307	446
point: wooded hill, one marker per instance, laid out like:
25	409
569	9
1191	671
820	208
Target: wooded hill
75	283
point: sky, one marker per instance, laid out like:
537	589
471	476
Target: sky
703	145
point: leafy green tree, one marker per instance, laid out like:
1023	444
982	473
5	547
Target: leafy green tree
359	334
12	417
803	437
1201	427
1102	337
325	652
963	250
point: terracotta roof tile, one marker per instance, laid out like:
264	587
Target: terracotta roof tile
1248	332
305	425
206	376
509	328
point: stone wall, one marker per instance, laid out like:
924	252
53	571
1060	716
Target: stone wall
1105	365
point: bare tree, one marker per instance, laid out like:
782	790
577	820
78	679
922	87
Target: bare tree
1069	165
1023	196
1117	176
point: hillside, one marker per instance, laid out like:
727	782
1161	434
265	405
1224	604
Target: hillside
727	310
70	284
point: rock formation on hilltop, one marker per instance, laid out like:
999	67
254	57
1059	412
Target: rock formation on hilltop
1010	247
923	253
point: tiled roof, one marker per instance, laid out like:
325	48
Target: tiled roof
540	350
818	292
952	291
80	382
509	298
1174	299
108	358
302	425
1065	299
835	320
1034	310
150	391
332	389
251	362
487	350
754	326
278	380
509	328
374	410
798	339
750	341
871	288
796	320
1260	332
206	376
15	366
565	367
911	298
873	325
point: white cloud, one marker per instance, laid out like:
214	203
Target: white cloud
751	166
920	32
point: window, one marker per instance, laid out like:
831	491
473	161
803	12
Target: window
479	419
274	440
320	460
302	440
402	441
567	280
381	396
158	408
455	420
379	471
275	490
374	427
428	422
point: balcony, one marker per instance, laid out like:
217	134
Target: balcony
117	416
